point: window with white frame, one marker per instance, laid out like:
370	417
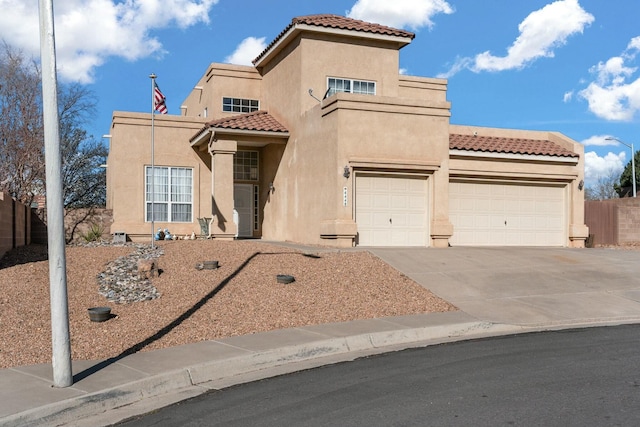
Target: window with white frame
239	105
350	86
172	199
245	166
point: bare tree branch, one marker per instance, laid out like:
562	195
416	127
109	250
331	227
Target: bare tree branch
604	188
22	165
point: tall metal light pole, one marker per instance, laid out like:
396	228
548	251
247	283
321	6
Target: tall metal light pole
633	161
60	338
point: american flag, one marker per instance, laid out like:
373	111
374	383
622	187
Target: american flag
159	100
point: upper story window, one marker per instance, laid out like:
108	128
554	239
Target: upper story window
350	86
239	105
245	166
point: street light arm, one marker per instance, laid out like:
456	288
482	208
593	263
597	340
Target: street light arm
610	138
633	160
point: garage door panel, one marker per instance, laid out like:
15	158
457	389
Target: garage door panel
416	220
391	210
526	223
399	221
366	200
399	202
380	200
418	203
380	218
468	221
513	214
497	204
483	221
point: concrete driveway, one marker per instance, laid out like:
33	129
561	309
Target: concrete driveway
528	286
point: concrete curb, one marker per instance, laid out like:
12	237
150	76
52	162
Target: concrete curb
198	379
141	396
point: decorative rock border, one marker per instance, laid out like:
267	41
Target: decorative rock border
122	283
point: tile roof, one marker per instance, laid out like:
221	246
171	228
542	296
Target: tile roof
339	23
257	121
492	144
343	23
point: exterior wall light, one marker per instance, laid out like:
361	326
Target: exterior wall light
581	185
347	172
271	187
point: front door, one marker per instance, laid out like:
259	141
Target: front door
243	204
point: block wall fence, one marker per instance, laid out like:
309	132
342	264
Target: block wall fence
614	221
21	225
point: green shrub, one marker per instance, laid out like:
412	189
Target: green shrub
95	233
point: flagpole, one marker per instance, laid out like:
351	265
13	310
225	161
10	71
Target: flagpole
152	76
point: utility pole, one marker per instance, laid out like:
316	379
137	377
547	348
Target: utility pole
60	339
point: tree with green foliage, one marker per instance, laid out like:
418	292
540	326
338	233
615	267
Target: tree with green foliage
625	187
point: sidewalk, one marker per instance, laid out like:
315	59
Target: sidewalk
498	290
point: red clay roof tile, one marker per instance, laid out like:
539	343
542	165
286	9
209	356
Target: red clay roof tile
258	121
492	144
343	23
340	23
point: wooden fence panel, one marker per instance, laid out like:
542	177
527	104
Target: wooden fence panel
602	219
15	224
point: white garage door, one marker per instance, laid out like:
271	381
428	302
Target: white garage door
506	215
391	210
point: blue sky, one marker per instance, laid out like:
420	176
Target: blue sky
568	65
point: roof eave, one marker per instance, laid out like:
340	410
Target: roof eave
295	29
250	132
204	136
514	156
201	137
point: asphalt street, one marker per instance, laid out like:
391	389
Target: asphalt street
565	378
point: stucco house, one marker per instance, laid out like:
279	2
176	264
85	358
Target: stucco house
324	142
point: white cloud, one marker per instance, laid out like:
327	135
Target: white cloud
540	33
634	44
596	167
567	96
247	51
615	93
88	32
412	14
600	141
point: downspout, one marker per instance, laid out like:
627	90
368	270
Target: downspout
210	150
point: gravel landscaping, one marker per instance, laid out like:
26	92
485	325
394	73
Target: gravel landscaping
240	297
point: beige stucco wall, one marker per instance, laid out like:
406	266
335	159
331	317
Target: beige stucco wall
392	135
304	183
309	61
364	133
426	88
401	123
131	152
221	80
